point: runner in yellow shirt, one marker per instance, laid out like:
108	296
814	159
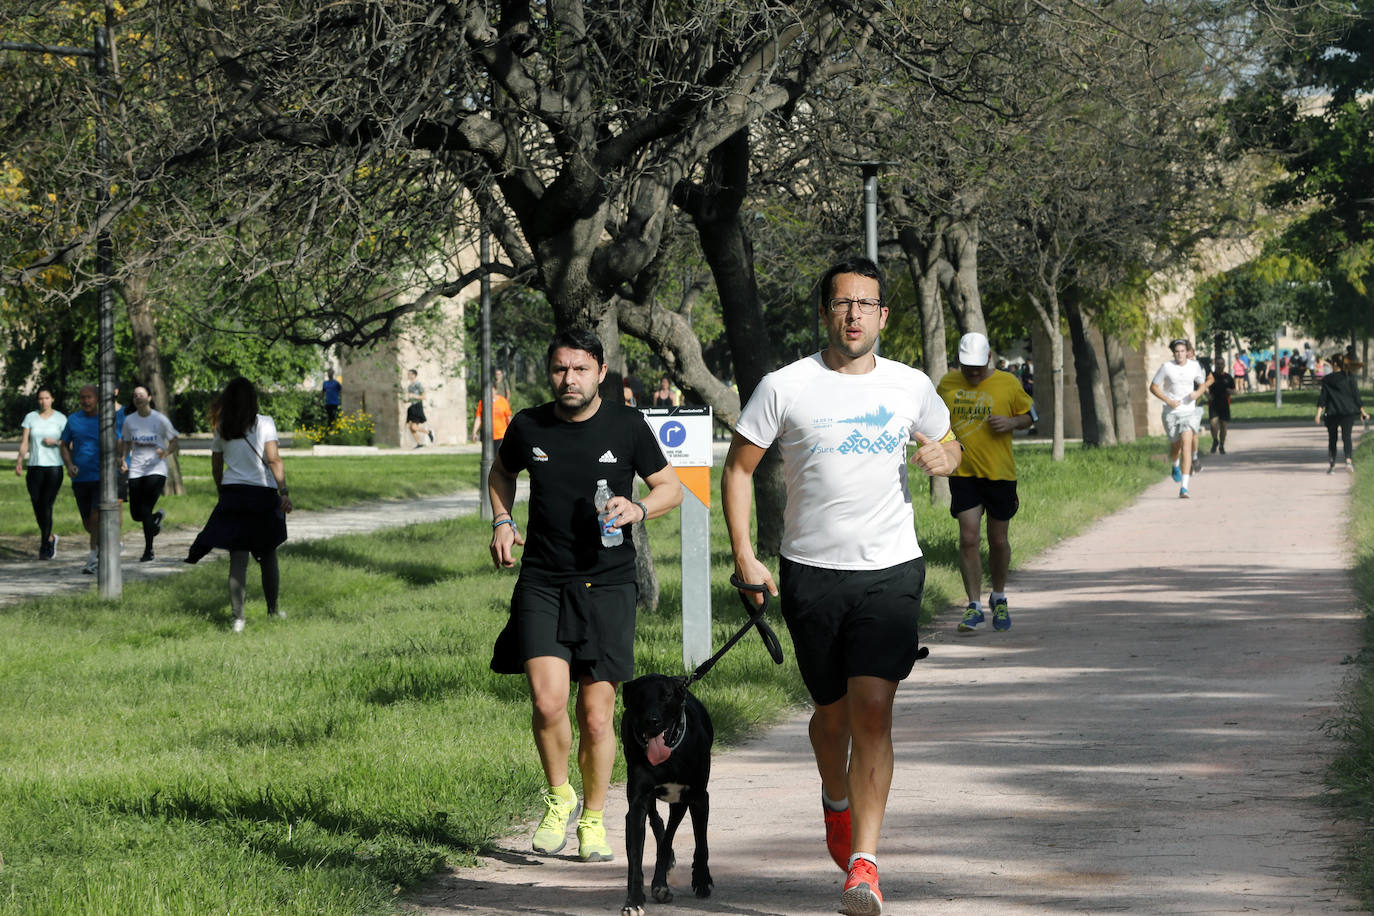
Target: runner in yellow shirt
984	407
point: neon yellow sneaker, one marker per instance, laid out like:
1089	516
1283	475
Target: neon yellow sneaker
552	833
591	841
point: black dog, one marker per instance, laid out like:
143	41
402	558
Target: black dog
667	736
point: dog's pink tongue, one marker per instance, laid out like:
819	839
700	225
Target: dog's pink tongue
657	749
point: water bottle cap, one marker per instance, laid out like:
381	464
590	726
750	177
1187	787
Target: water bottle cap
601	482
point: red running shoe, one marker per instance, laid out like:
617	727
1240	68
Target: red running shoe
838	836
861	896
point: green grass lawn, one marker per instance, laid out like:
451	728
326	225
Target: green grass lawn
1299	405
316	483
1351	776
153	763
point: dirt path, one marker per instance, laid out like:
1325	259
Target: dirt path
1148	738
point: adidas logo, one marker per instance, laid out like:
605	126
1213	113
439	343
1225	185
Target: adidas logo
607	458
539	454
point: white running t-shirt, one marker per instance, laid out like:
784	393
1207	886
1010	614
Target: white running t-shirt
146	435
844	440
1179	381
244	458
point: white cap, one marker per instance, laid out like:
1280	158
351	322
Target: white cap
974	350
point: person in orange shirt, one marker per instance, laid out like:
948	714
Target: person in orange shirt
500	418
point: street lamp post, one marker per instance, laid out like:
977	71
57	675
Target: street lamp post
109	579
488	446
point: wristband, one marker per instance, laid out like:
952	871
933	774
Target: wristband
642	508
283	491
505	521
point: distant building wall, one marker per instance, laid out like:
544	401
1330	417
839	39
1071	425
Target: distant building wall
374	378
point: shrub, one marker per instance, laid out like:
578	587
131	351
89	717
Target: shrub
352	428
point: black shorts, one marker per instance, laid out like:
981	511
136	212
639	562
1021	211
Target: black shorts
1219	410
415	413
998	497
87	493
591	627
851	623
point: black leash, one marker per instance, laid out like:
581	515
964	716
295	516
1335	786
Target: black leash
755	621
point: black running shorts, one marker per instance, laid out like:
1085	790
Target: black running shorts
851	623
998	497
591	627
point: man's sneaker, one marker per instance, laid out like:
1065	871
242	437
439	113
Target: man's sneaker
839	835
431	436
973	619
591	841
92	564
239	624
861	896
147	555
158	516
1001	616
278	614
1178	474
552	833
1182	492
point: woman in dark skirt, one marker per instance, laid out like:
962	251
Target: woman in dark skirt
250	517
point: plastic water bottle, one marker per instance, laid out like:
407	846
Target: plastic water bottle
611	536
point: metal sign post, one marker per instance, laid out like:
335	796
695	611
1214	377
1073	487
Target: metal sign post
685	435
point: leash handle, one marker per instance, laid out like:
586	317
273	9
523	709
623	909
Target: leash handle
770	639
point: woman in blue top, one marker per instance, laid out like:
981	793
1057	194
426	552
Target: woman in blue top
39	444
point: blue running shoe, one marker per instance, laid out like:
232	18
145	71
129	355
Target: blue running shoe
1182	492
1001	616
1178	474
973	619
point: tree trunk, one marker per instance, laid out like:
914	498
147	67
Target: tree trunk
961	288
646	575
714	208
922	265
1120	382
1092	392
1049	320
133	290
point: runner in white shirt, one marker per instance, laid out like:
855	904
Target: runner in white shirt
148	438
851	568
1179	384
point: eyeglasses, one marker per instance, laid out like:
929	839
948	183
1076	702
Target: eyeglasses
865	306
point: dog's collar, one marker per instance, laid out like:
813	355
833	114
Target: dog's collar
673	737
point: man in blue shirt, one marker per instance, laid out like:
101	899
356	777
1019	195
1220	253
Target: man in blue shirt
81	455
332	392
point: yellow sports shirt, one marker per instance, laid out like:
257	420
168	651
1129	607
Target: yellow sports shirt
986	453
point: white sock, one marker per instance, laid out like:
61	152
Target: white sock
832	805
976	605
1178	462
995	597
1185	480
863	855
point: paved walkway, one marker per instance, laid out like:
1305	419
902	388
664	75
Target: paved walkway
1148	738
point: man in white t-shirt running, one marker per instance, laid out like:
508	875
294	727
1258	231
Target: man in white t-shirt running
851	568
1179	384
